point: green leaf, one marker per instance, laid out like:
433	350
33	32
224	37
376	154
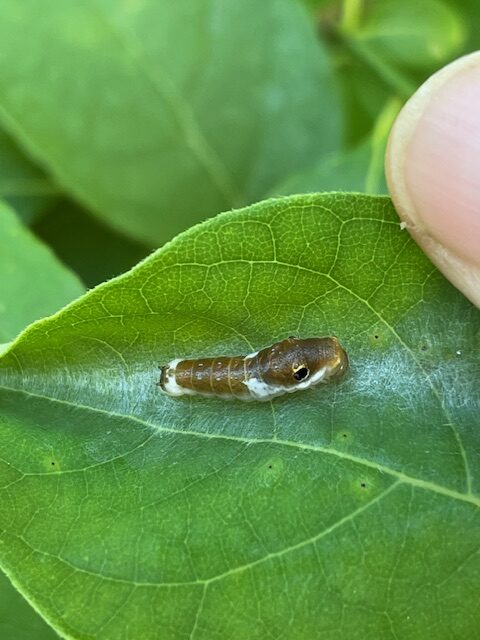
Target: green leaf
364	96
358	169
33	282
347	511
22	185
18	621
156	114
469	13
420	35
345	171
316	5
386	48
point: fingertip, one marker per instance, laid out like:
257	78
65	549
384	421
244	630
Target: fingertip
433	170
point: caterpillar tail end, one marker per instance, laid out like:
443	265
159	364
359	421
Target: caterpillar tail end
167	382
163	380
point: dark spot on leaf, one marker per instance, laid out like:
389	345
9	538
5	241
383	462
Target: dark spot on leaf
270	466
345	435
53	463
363	485
424	347
376	337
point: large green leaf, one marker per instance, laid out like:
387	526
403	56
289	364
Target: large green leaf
348	511
33	283
156	113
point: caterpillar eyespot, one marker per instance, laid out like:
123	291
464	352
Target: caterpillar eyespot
286	366
301	372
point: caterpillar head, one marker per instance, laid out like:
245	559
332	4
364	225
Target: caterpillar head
297	363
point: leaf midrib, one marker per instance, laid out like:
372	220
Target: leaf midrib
366	301
402	477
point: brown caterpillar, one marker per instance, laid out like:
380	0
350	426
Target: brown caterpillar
286	366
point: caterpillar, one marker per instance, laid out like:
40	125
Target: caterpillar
286	366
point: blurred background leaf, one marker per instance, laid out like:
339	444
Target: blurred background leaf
408	34
386	48
115	87
18	621
34	283
358	169
157	114
469	12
